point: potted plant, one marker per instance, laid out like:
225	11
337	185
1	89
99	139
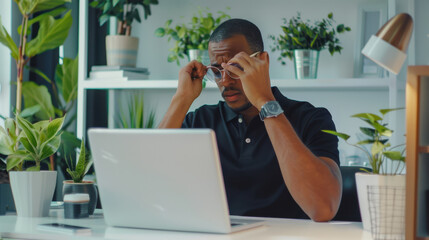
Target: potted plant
77	185
32	189
302	41
21	140
192	39
133	115
381	193
121	49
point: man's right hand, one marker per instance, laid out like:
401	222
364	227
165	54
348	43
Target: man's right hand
191	81
189	88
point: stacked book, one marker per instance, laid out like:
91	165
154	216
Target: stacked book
119	73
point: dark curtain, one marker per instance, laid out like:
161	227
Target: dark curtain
96	103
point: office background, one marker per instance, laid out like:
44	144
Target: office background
268	16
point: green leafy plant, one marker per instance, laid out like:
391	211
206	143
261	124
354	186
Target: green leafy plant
125	11
377	137
35	142
83	164
133	115
54	21
300	34
194	35
53	31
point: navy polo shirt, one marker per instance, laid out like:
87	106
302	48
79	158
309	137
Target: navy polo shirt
253	181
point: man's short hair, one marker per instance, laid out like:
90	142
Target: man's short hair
236	26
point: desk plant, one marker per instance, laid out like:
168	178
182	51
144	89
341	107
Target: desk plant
191	36
382	190
299	35
20	140
77	172
125	12
377	136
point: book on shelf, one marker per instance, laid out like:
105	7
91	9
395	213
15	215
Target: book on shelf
104	68
119	73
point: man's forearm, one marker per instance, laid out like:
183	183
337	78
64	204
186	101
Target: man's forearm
314	183
176	113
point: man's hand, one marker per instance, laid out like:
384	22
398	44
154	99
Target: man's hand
190	81
189	88
254	77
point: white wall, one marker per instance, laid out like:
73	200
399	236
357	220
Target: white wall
5	61
267	15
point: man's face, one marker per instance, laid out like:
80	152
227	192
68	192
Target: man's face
231	89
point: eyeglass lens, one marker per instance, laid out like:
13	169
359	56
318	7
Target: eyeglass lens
214	74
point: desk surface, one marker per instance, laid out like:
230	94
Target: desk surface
26	228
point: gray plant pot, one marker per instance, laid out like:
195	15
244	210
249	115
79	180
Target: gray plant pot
85	187
306	62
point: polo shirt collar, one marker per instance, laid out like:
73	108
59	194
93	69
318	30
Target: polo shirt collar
229	113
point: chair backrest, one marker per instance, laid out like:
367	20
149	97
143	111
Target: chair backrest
349	206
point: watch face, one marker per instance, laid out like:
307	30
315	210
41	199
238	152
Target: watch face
273	107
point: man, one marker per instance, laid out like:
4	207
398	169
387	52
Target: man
280	166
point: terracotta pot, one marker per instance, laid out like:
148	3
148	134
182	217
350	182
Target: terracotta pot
84	187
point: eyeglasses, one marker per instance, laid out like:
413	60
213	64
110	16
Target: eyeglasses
214	74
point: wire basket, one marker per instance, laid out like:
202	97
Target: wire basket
387	212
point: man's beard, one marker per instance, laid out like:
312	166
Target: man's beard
242	108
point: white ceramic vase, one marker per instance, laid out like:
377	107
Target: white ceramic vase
32	192
382	204
121	50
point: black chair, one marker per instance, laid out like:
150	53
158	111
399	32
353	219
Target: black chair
349	206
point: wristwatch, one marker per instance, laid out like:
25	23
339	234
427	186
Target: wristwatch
270	109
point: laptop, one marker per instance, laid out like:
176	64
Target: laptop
168	179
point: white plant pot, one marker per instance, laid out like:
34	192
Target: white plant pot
382	204
121	50
32	192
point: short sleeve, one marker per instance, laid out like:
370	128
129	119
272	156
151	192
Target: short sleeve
320	143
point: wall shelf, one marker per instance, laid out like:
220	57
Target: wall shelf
307	84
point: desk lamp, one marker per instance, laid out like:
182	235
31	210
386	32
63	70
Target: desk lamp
389	45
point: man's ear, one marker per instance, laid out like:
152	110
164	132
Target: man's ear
265	56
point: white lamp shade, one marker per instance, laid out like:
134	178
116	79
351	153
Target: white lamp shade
384	54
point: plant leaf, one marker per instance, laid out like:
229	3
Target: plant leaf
377	147
368	131
34	20
50	147
30	111
38	95
52	34
54	127
338	134
6	143
385	111
7	40
394	155
48	4
369	116
29	131
81	163
15	159
33	168
69	81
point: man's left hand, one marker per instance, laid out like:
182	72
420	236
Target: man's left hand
254	77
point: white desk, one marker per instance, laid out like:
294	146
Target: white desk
274	229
